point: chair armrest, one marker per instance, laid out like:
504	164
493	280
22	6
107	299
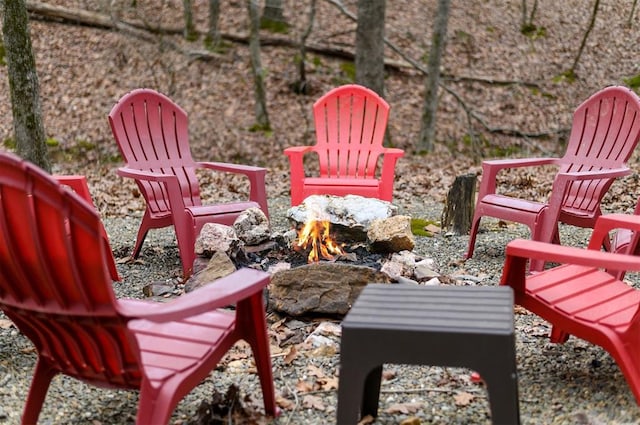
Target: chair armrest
220	293
256	176
562	181
297	150
608	222
136	174
390	157
232	168
491	168
547	252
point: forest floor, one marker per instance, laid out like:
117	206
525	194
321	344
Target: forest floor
509	80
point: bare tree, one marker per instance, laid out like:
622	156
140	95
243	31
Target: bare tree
190	32
571	73
438	41
526	25
273	16
262	117
370	45
24	86
213	34
301	85
633	9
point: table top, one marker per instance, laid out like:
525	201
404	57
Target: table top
446	308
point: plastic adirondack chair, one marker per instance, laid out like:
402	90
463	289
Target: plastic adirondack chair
350	123
605	131
55	287
79	185
153	138
579	297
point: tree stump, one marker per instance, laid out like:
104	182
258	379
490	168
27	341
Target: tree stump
460	204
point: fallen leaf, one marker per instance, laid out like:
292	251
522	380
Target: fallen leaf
404	408
463	398
367	420
291	355
411	421
285	403
303	387
315	371
328	384
388	375
313	402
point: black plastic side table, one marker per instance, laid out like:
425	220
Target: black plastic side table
455	326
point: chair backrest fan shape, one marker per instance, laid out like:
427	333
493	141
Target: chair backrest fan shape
350	124
605	131
153	135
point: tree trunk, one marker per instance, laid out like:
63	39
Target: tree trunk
262	118
428	129
273	16
213	34
24	86
572	71
370	45
190	32
301	86
458	211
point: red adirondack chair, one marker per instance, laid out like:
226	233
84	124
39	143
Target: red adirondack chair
153	138
79	185
55	287
579	297
350	123
605	131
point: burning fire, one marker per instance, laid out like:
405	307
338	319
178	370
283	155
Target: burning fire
316	234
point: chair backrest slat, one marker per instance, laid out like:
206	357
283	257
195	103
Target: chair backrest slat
350	124
605	132
54	281
152	133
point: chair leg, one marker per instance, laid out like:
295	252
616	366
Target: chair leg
42	376
255	331
142	234
155	406
558	336
475	224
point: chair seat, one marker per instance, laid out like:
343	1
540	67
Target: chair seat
173	347
221	209
586	294
340	182
514	203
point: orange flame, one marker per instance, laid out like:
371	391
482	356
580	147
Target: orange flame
316	234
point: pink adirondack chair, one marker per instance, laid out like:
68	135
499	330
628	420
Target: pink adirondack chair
350	123
605	131
579	297
55	287
79	185
153	138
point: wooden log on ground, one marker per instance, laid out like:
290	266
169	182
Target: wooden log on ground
460	204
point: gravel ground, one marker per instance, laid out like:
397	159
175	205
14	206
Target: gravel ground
574	383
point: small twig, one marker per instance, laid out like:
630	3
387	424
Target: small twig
295	396
430	389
